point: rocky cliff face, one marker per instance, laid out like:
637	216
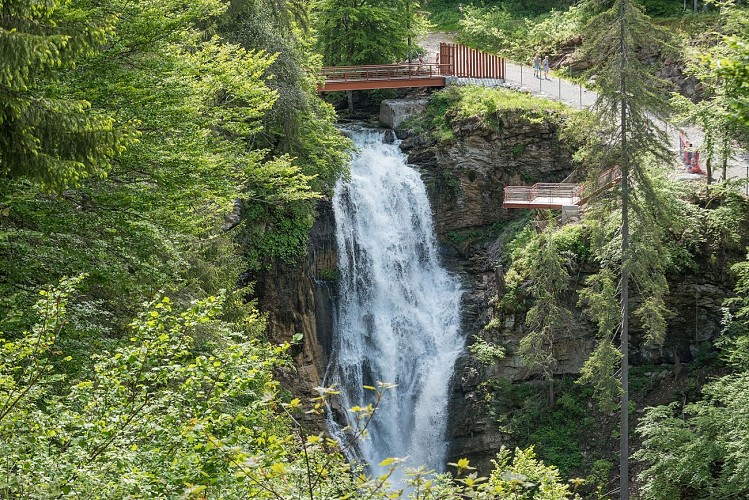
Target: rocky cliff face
467	175
300	299
466	178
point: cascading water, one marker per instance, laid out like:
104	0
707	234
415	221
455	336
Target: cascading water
398	309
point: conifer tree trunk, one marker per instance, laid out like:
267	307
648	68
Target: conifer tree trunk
624	425
709	159
628	103
726	151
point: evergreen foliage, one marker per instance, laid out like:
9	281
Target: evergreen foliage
46	137
299	129
352	32
628	103
700	450
727	62
548	317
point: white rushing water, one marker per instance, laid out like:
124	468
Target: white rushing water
398	309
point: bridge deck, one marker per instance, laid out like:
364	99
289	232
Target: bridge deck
453	60
385	76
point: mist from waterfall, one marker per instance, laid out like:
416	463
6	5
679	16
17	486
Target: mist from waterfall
398	317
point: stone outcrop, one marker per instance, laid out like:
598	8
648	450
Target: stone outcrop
300	299
466	176
393	112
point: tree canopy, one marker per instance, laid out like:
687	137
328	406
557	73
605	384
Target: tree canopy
51	139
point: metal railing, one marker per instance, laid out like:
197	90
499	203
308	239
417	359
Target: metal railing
543	194
407	71
556	195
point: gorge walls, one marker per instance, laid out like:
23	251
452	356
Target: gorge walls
465	176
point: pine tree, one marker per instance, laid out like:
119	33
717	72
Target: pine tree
367	31
50	139
630	107
549	317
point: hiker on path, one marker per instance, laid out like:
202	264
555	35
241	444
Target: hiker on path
546	67
537	66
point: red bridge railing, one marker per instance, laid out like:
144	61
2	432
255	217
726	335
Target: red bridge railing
466	62
382	76
383	72
453	60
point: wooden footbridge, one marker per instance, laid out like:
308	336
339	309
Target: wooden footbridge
453	60
558	195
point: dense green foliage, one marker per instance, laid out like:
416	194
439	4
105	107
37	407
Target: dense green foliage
142	377
156	416
546	265
52	140
298	134
352	32
569	434
93	402
150	152
729	60
497	30
700	450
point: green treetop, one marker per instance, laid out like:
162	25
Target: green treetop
367	31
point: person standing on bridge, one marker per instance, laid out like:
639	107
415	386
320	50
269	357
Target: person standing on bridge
546	67
537	66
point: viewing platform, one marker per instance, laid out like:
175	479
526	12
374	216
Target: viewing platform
542	196
556	196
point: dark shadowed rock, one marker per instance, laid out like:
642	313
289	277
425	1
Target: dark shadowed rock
389	137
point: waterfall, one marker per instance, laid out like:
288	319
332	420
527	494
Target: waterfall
398	309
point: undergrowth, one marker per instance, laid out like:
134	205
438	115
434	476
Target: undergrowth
569	434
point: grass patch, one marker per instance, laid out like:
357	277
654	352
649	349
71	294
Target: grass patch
487	104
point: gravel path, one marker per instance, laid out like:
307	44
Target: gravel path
575	95
521	77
